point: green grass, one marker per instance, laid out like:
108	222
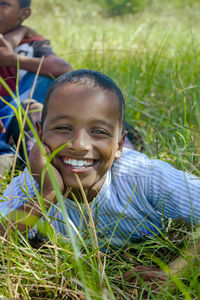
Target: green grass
154	57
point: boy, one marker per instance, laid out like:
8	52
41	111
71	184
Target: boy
21	44
129	194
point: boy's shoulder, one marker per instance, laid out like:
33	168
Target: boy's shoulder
131	163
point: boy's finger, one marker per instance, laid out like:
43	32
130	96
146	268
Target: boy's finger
47	149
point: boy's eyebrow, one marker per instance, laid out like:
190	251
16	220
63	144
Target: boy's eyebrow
92	121
104	123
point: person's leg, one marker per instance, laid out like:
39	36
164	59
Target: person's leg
25	89
6	161
6	114
42	85
34	114
7	149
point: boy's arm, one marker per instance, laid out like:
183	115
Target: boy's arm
157	277
181	194
26	215
29	213
140	274
180	264
15	37
52	65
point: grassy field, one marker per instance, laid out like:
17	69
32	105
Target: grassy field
154	56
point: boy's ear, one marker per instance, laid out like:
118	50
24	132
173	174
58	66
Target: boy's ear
118	153
39	129
25	13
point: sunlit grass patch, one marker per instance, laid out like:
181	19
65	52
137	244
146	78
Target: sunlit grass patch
154	57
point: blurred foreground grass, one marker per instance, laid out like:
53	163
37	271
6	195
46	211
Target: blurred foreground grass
154	56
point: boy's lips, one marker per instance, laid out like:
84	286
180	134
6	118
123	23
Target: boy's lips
79	164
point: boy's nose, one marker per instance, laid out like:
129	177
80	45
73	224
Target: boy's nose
80	141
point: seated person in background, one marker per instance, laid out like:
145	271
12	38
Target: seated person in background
21	44
124	187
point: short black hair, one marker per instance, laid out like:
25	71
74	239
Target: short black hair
24	3
87	78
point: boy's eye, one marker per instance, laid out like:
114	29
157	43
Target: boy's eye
100	132
64	128
4	3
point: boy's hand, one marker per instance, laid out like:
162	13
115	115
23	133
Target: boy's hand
140	274
8	57
37	162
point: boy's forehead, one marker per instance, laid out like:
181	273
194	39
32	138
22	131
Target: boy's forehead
80	92
12	1
88	103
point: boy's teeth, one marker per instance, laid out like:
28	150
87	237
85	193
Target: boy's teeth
78	163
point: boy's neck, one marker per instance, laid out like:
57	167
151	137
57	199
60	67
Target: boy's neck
11	30
75	195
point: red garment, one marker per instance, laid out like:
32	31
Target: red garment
9	74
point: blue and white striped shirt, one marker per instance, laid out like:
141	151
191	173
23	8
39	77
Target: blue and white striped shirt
137	193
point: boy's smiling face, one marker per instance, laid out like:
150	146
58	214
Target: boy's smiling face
89	119
11	15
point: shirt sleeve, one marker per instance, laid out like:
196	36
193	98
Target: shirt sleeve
174	193
21	190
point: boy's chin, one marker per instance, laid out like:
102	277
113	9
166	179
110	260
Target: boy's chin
91	189
4	31
75	187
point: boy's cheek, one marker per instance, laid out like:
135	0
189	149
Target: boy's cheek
48	140
47	149
47	145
